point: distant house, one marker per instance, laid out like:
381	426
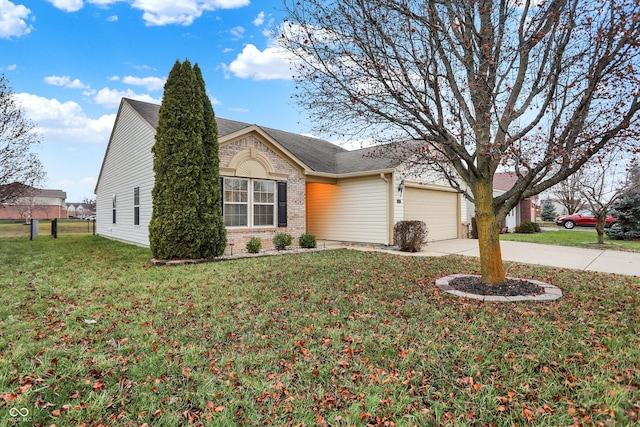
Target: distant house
526	209
36	204
275	181
80	210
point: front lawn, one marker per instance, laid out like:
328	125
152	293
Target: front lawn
91	334
579	238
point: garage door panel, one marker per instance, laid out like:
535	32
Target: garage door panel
438	209
351	211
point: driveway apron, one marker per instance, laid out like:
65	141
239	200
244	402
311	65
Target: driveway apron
602	260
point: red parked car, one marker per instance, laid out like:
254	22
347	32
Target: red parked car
584	219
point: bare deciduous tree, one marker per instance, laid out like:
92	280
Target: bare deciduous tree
532	87
604	180
567	193
20	168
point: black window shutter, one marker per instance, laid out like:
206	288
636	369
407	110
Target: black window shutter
282	204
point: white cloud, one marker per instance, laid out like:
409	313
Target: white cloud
103	3
72	144
76	5
12	67
271	64
259	20
65	121
237	32
150	83
183	12
89	180
12	20
110	98
112	18
158	12
66	82
67	5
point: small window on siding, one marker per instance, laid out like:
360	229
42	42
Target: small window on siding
136	206
113	209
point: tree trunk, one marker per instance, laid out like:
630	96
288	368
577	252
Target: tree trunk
600	230
489	226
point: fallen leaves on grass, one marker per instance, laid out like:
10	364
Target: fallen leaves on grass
331	338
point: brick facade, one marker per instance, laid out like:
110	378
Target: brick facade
296	221
24	212
526	211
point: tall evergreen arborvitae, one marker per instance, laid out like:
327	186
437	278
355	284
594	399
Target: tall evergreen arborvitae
180	227
216	234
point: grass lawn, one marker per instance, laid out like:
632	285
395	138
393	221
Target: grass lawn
579	238
20	229
91	334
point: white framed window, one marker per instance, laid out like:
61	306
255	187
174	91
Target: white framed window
113	209
136	206
236	202
264	203
249	202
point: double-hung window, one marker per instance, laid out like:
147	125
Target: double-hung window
264	201
249	202
113	209
236	202
136	206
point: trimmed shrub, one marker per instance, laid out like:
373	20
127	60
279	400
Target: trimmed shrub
282	240
254	245
527	227
307	240
410	236
473	233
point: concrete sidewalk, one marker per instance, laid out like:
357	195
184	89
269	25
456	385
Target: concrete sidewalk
602	260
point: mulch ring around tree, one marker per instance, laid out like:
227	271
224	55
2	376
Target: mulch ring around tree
514	289
511	288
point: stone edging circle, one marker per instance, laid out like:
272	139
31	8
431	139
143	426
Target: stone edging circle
551	292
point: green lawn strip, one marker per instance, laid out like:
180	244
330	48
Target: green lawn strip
583	239
21	229
91	333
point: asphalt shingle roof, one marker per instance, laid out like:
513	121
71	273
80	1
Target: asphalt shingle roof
318	154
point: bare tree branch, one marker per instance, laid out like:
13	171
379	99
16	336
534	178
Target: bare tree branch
20	169
533	87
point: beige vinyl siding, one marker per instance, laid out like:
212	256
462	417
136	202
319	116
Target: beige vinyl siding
353	210
438	209
129	164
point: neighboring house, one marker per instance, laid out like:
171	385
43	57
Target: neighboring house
526	209
275	181
80	210
37	204
559	207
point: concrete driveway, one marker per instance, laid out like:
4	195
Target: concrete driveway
602	260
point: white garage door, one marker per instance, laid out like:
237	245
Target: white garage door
438	209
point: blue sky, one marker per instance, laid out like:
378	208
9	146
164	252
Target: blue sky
71	61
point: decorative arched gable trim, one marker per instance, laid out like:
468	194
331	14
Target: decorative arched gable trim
251	163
